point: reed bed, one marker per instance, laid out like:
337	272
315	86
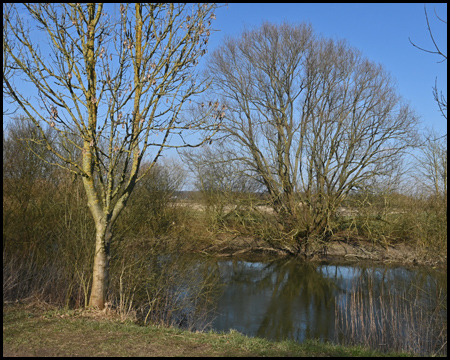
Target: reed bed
410	320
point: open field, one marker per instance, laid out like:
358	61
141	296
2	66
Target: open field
38	330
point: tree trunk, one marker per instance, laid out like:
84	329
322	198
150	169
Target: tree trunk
101	267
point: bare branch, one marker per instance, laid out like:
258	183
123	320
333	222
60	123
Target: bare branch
437	51
310	118
110	86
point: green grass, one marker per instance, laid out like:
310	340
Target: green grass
30	331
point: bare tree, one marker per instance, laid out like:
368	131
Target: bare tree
439	97
311	117
433	165
112	87
215	170
225	185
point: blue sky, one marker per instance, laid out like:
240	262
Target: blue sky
380	31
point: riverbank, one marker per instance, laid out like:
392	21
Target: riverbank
339	249
36	329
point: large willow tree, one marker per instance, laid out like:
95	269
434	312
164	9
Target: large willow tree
112	82
311	119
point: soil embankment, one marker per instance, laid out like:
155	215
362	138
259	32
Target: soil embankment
336	250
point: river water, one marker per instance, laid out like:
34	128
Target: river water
389	307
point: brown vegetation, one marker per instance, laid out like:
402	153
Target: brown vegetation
418	314
48	232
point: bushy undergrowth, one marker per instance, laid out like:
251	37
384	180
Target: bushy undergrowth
419	221
48	246
48	237
47	242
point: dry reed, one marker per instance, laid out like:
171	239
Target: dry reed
395	320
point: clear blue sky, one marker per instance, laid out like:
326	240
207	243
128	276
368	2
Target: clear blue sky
380	31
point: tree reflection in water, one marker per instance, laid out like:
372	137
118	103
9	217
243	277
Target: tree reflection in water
290	299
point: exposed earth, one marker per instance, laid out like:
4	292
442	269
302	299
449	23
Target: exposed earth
336	250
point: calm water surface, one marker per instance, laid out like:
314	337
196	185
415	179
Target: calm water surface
290	299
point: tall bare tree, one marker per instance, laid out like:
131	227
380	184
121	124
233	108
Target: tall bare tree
111	82
433	165
311	117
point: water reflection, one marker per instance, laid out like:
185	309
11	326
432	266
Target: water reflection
291	299
283	299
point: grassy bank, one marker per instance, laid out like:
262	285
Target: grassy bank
37	330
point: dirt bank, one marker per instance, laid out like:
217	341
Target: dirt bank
228	245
